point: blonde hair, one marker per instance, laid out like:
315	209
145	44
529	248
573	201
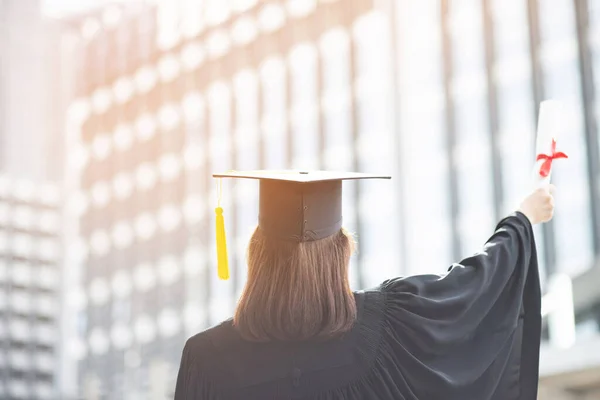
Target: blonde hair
296	291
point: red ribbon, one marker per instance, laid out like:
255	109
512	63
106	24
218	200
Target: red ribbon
547	164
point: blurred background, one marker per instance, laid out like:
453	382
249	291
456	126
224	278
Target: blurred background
113	115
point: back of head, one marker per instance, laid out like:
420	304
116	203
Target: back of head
296	290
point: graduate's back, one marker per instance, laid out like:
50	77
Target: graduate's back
300	333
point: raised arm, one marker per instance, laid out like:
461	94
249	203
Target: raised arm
483	291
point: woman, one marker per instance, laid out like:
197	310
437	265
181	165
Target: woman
299	332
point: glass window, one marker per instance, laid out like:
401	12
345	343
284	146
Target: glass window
21	274
99	291
194	317
144	329
562	82
20	301
516	108
473	147
245	87
423	154
217	11
192	15
272	76
375	149
336	100
98	341
168	20
594	40
169	322
304	108
3	270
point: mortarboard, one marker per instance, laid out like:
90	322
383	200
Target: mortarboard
299	206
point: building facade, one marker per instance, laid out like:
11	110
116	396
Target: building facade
29	289
441	95
32	95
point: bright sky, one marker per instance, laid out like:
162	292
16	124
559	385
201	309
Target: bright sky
61	8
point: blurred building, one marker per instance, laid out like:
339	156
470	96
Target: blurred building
33	97
32	92
442	95
29	289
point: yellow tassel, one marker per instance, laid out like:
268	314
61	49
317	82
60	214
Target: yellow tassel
222	261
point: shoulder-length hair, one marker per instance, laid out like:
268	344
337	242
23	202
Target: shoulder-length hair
296	291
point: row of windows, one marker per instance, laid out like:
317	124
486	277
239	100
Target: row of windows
28	218
302	60
22	360
144	177
20	389
187	19
28	192
145	226
25	274
144	277
23	302
29	246
144	329
22	330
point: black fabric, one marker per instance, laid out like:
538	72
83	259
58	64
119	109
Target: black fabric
472	333
300	211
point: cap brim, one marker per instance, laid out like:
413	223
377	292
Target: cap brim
299	175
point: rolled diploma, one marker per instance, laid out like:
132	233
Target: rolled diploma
549	126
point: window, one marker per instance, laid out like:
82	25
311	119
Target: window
336	99
122	185
169	217
3	271
23	245
169	270
375	148
193	260
121	284
194	317
101	194
245	88
121	336
5	213
218	43
473	139
192	15
169	322
122	235
23	217
145	226
271	17
20	301
304	112
144	277
562	82
194	209
98	341
272	77
99	291
21	273
49	221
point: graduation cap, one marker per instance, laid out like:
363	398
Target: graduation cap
298	206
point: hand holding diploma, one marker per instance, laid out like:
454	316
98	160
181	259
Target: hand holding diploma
549	127
539	205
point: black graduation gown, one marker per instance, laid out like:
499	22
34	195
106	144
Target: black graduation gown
470	334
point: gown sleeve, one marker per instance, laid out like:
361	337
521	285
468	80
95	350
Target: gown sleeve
463	330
